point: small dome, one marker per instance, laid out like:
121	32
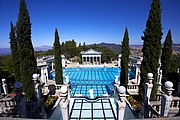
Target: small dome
64	89
122	89
35	76
168	84
150	76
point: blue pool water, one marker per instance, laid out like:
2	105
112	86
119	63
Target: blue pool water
101	80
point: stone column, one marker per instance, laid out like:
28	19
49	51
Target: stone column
42	75
158	84
96	60
138	77
64	103
38	92
4	85
166	99
121	102
20	99
116	79
67	80
148	88
37	87
52	65
104	64
46	84
46	72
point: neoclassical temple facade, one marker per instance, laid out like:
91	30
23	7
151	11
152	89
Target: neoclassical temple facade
91	57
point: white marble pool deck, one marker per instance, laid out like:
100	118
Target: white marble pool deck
74	64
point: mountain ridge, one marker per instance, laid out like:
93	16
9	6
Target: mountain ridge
112	46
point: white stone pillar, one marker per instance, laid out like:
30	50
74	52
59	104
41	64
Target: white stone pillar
121	102
4	85
166	99
46	84
46	72
64	103
37	87
42	75
67	80
104	64
96	60
86	60
138	77
116	79
52	65
148	88
137	69
158	84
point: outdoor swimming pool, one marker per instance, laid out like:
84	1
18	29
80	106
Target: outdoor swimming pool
101	80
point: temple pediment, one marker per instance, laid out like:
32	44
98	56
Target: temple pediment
91	52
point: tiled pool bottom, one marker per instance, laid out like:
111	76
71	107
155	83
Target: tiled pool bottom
100	109
100	80
98	90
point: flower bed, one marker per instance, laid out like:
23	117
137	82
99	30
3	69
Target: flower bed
134	103
49	102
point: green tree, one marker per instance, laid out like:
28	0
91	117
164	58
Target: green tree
166	57
125	58
14	53
26	51
151	47
57	59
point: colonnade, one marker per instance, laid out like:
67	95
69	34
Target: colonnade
91	59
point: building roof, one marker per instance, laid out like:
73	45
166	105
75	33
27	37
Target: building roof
91	52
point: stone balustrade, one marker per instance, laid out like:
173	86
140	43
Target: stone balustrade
156	105
133	89
153	112
175	105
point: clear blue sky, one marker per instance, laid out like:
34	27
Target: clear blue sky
90	21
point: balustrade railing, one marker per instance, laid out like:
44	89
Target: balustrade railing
175	105
133	89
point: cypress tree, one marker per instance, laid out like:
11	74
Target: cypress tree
14	53
26	51
151	47
125	59
57	59
166	56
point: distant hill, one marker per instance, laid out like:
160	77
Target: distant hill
112	46
117	47
7	51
